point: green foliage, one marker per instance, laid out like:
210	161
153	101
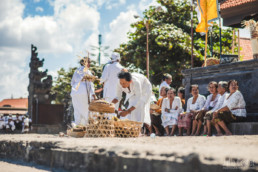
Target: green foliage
62	85
169	41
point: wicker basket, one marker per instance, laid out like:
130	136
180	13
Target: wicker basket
100	125
77	134
127	128
102	106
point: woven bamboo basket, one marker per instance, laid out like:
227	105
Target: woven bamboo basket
102	106
127	128
77	134
100	125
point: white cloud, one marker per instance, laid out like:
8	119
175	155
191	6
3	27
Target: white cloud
13	75
39	9
119	28
72	28
144	4
62	33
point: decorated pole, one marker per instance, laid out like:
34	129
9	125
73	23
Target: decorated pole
99	48
206	33
192	63
147	50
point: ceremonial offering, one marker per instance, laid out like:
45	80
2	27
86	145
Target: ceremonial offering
89	78
102	106
154	106
78	131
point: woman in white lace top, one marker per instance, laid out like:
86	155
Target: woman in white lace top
210	104
195	104
222	90
233	108
171	107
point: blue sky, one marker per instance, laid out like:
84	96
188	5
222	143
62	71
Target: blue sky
61	30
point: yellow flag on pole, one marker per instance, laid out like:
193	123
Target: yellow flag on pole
209	13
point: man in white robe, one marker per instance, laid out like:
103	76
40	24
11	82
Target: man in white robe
109	77
138	91
82	93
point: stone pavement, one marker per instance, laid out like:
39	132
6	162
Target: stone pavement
166	154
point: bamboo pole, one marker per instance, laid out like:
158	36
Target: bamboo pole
238	37
206	34
192	62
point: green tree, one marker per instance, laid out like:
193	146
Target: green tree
169	41
62	85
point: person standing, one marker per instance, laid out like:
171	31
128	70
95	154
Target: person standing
109	77
138	91
166	81
82	92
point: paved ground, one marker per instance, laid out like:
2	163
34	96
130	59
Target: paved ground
228	151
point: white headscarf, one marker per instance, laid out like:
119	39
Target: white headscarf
115	56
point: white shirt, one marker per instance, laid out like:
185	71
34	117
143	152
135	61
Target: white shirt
176	103
198	105
163	84
220	102
82	87
110	79
138	96
236	104
210	103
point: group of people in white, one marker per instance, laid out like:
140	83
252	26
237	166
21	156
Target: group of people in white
218	109
15	122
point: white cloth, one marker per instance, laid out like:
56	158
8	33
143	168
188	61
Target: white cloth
20	118
12	125
236	104
139	97
81	93
209	103
163	84
169	119
153	98
26	121
2	124
198	105
115	56
110	79
220	102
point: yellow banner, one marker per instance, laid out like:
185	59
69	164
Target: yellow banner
209	12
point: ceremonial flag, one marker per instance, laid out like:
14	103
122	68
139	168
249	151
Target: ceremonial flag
209	12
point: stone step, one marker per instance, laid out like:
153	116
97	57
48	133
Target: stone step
244	128
166	154
252	117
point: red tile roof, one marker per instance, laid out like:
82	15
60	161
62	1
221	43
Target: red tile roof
246	52
15	103
232	3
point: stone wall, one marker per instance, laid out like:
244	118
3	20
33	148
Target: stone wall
245	72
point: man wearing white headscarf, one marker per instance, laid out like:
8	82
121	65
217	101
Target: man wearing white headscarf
109	77
82	93
138	91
